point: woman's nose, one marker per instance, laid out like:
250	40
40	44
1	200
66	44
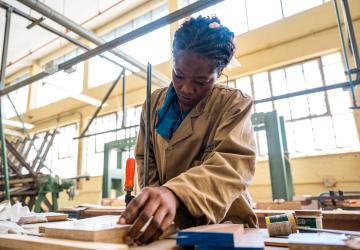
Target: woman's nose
187	89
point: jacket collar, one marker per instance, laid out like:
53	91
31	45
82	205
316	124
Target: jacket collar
185	129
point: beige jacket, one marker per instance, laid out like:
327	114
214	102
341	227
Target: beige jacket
209	161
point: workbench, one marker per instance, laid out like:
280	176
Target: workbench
249	235
338	219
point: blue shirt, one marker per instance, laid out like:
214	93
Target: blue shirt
169	115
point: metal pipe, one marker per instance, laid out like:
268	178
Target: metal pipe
2	84
105	132
123	122
54	31
87	34
147	127
351	34
353	94
102	102
173	17
307	91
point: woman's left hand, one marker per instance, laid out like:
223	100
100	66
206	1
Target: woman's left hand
160	203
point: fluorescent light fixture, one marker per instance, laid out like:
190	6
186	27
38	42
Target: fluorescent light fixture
77	96
17	124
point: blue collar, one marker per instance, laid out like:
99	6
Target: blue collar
169	115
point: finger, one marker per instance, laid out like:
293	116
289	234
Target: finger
164	225
142	219
154	225
133	209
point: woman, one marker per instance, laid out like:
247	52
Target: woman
202	151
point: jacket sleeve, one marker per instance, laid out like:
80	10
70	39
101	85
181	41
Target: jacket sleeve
140	155
226	171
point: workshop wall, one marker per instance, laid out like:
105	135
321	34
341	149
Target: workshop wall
299	37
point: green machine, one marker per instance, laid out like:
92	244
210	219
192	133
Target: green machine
49	184
280	171
114	175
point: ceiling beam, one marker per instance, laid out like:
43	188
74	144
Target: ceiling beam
89	35
172	17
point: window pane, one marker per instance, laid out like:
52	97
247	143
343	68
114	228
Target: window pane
312	74
339	101
317	103
333	69
232	14
261	86
278	82
283	108
323	133
304	141
262	12
334	73
331	59
345	130
244	85
299	107
295	78
264	107
262	143
290	136
292	7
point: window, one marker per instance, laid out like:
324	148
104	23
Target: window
315	122
56	86
18	97
153	47
291	7
241	16
95	144
61	159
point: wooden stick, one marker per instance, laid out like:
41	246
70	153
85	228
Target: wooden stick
329	231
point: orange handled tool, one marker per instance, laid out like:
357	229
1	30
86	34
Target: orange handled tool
129	179
130	173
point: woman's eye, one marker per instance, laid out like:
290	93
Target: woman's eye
200	83
178	77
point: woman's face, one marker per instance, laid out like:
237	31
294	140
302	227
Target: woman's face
193	77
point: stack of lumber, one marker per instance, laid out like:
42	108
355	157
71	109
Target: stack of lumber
97	229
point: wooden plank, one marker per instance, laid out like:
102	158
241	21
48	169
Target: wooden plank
52	216
317	241
97	229
276	242
93	212
286	205
217	235
22	242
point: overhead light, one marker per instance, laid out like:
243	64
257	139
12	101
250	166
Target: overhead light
77	96
17	124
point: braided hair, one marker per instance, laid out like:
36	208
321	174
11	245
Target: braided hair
207	37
